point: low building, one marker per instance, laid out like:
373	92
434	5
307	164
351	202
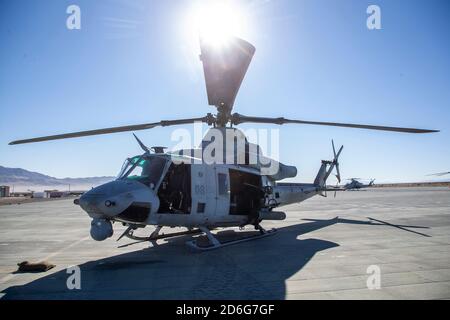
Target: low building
38	195
53	194
4	191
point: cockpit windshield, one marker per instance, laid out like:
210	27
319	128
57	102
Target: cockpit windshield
145	169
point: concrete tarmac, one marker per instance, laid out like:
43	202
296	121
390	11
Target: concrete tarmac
323	250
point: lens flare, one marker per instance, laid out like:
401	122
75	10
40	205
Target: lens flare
217	21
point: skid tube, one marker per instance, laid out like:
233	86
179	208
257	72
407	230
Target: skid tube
216	244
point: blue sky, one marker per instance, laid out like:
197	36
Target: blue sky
133	62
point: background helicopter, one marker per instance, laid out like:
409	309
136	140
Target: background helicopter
355	184
184	189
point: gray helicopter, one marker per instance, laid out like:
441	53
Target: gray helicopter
184	188
356	184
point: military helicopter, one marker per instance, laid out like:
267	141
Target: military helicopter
356	184
183	189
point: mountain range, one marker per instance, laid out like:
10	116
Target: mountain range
23	180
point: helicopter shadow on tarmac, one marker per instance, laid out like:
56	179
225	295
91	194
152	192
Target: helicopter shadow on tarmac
252	270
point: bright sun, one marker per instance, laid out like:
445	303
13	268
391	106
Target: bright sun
216	21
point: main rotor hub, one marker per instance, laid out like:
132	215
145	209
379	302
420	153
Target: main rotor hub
223	115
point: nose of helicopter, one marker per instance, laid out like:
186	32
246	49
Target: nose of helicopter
117	199
112	198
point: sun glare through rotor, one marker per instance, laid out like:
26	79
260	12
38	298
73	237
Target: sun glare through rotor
216	21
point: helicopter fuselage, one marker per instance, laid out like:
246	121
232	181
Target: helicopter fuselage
189	188
186	194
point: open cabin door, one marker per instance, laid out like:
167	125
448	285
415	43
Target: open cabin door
246	193
174	192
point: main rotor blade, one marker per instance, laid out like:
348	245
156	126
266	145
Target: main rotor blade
238	119
137	127
439	174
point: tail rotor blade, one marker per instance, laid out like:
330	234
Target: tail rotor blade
334	150
336	160
339	152
338	173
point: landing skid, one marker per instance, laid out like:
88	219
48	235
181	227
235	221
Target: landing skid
214	243
156	236
163	236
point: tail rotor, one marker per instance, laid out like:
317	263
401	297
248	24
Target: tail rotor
336	161
327	168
